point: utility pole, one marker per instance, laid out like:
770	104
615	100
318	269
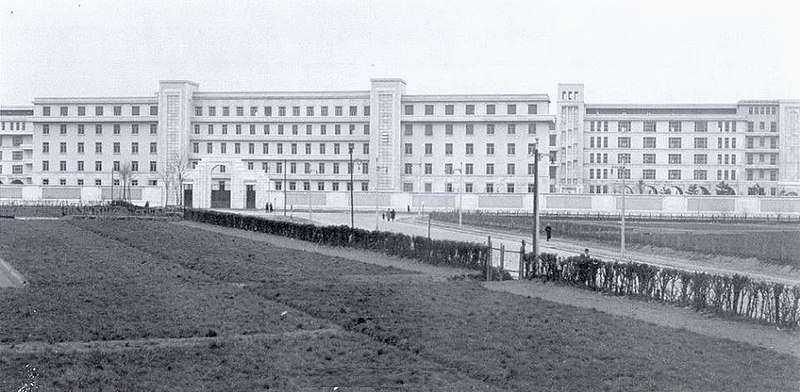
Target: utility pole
460	184
377	172
624	191
535	243
285	169
352	217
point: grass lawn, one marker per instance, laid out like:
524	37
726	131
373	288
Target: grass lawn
147	279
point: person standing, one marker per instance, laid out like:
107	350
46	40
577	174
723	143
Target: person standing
393	214
549	231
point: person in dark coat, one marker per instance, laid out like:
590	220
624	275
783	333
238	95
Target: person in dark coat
549	231
266	207
393	214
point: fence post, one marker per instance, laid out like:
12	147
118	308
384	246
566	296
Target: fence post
489	260
522	261
502	257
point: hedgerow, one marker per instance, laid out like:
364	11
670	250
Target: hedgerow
437	252
737	295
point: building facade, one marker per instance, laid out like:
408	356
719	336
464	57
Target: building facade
243	149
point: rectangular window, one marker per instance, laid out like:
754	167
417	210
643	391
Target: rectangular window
267	111
470	109
409	149
532	109
624	142
674	159
337	111
448	130
623	158
98	166
674	174
511	108
490	129
649	174
468	169
469	149
64	110
469	129
511	149
674	142
448	149
354	110
649	126
700	142
489	148
490	168
700	159
409	169
428	148
428	110
490	109
449	110
489	187
511	169
117	110
649	158
98	110
624	126
428	168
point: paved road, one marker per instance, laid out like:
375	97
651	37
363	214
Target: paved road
413	224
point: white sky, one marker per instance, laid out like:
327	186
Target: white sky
624	51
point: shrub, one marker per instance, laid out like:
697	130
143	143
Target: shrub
739	296
438	252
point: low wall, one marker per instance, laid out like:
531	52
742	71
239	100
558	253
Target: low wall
56	194
422	202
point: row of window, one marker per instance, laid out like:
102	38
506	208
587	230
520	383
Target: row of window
762	110
281	111
135	110
469	187
322	148
468	169
772	160
15	169
773	126
16	140
773	142
469	149
280	129
116	129
309	167
98	166
673	126
673	159
469	129
771	175
650	174
98	147
306	186
469	109
15	155
99	182
13	126
650	142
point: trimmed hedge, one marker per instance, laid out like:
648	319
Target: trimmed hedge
739	296
437	252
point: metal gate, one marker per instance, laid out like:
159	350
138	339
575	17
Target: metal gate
250	197
509	259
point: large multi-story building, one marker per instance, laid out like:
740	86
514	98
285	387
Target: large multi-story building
16	145
242	149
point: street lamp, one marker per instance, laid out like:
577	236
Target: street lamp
352	205
622	172
535	243
460	184
285	169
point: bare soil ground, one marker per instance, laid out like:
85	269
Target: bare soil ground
205	311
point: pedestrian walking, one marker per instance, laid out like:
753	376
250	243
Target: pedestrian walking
549	231
383	216
266	207
393	214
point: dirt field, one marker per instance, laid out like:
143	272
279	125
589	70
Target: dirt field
153	304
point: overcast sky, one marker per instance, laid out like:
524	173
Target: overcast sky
623	51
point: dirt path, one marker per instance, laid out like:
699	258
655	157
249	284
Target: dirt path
153	343
665	315
9	277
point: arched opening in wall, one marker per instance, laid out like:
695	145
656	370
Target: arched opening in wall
792	194
650	190
676	190
17	182
704	190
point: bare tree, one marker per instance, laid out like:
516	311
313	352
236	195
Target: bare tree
125	176
173	175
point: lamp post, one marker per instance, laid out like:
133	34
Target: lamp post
352	209
460	184
622	172
377	172
285	169
308	195
535	243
